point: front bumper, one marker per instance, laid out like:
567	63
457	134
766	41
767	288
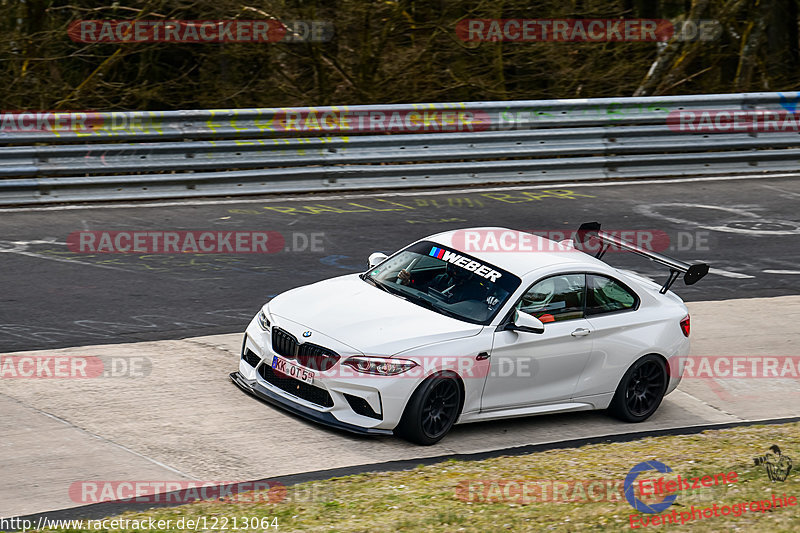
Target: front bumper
333	390
327	419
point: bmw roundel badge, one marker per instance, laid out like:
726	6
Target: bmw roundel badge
306	334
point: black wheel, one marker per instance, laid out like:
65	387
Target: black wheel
641	390
431	411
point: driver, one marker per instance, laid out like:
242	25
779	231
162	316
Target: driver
456	284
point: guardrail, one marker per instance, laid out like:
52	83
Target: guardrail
90	156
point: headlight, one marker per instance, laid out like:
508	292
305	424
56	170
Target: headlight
263	321
382	366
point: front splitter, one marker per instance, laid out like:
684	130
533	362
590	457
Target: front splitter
259	391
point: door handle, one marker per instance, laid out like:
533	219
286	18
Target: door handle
580	332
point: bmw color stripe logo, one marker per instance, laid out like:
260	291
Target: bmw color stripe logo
306	334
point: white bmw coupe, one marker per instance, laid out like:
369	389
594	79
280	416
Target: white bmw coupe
471	325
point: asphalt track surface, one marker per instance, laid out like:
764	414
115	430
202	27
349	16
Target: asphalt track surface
183	419
747	229
54	298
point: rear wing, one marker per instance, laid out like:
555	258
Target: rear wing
691	273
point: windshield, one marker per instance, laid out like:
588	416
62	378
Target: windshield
446	281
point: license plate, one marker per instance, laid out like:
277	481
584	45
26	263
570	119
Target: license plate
292	370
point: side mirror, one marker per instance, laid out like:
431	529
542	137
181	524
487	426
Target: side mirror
376	259
525	323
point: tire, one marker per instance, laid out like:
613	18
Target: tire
641	390
432	410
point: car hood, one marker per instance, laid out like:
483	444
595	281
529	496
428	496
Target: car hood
366	318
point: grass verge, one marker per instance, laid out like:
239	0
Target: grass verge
470	496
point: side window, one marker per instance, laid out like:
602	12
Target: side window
555	298
605	295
